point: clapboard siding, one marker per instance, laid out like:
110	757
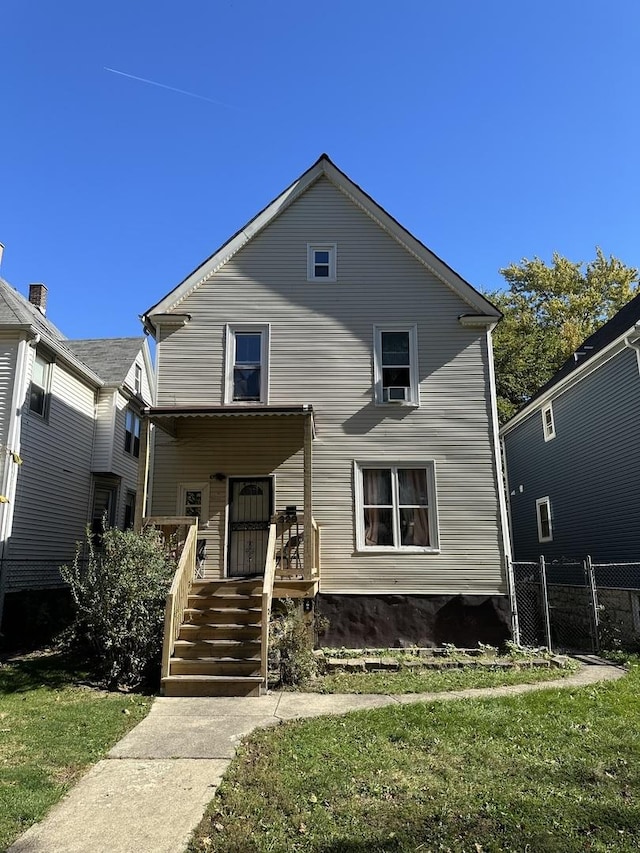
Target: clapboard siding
124	464
590	470
8	356
54	484
321	352
105	423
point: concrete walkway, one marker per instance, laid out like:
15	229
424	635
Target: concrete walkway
150	792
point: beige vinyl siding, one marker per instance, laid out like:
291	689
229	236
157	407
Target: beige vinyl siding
124	464
321	352
146	391
54	483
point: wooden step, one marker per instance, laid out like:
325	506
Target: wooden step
228	587
238	649
231	599
222	615
214	666
211	685
226	631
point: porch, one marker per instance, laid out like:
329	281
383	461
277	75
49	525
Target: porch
216	632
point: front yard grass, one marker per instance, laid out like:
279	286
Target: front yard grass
51	730
555	771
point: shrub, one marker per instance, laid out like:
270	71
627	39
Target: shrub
119	593
290	645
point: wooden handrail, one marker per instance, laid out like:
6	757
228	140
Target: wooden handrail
178	595
267	597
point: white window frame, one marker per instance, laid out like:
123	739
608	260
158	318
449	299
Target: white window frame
312	248
232	329
47	365
414	387
181	508
434	528
137	378
539	504
548	422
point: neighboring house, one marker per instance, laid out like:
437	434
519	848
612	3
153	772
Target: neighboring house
572	454
324	363
69	434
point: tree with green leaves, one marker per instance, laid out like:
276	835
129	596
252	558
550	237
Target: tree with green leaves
548	311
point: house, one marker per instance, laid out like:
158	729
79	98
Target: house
70	415
572	454
325	369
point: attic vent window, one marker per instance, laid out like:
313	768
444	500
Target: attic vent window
321	262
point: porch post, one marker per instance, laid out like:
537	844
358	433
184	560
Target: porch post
309	556
143	475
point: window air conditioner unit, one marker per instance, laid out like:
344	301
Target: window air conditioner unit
397	394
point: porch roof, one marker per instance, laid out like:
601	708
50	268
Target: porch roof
165	417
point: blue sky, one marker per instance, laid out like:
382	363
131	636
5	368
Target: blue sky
492	130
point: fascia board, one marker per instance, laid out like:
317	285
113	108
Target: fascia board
577	375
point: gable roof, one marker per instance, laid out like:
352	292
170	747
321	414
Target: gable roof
322	167
110	358
622	324
16	312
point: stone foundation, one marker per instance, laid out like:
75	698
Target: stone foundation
401	621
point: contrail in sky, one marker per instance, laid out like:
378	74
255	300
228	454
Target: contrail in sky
170	88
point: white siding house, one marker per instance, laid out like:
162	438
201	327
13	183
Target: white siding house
323	317
63	459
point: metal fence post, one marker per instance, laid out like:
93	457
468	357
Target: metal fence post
545	602
515	619
593	598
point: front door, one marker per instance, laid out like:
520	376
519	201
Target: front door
250	510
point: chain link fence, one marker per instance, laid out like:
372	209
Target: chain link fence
577	606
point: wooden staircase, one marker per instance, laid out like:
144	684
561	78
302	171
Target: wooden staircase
218	648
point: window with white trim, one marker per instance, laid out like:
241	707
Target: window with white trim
543	516
193	501
395	350
247	364
321	262
548	425
137	378
132	433
396	507
39	390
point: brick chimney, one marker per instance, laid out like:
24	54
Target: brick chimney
38	296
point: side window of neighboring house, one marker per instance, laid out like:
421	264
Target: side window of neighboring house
395	351
247	364
39	390
193	500
129	510
548	425
396	508
321	262
137	379
543	516
132	433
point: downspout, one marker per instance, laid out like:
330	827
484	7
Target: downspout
634	344
500	486
9	480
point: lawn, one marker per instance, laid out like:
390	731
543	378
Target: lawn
51	730
555	771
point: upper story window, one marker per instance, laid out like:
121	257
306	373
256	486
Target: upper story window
247	374
137	379
543	516
40	385
132	433
548	425
321	262
396	364
396	507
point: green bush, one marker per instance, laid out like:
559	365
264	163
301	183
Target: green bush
119	592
